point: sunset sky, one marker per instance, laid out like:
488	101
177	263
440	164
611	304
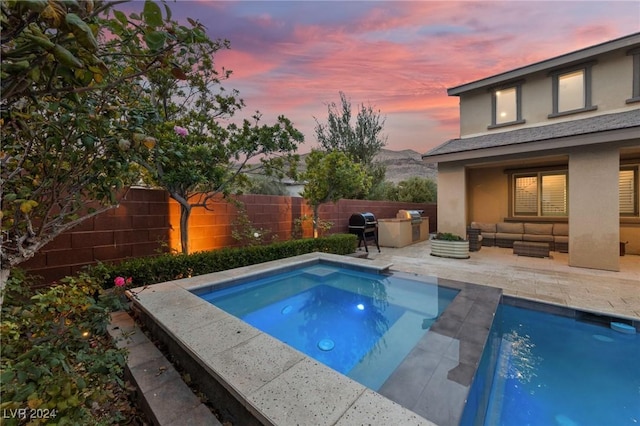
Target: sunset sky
292	58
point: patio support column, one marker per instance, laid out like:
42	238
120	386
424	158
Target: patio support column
452	199
594	218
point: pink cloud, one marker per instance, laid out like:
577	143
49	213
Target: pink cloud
398	56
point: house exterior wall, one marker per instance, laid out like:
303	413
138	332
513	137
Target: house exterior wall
611	86
591	144
452	202
488	191
630	234
594	218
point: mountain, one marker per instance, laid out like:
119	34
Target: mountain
404	164
401	165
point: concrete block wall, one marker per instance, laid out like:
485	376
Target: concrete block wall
138	227
147	222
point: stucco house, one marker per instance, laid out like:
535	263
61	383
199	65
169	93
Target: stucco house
557	141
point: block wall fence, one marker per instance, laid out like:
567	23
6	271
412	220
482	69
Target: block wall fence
147	222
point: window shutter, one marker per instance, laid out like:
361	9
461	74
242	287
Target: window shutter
554	195
626	184
526	199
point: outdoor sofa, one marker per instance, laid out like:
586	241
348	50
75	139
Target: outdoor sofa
503	234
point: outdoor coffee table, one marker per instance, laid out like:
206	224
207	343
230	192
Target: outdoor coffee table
528	248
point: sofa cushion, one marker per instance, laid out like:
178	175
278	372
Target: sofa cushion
560	229
484	227
542	238
561	239
508	236
538	228
509	228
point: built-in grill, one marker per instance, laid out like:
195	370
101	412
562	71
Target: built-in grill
365	226
416	220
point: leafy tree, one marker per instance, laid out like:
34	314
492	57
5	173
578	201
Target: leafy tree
331	176
196	157
71	73
265	186
385	190
417	190
362	141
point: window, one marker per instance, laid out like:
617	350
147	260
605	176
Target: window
635	91
628	186
540	194
571	91
506	106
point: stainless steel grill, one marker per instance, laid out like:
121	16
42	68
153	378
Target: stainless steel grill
416	220
365	226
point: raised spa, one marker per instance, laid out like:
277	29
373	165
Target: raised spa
358	323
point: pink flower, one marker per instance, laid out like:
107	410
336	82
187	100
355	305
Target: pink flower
180	131
129	280
119	282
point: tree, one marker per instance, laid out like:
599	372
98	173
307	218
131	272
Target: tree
195	167
195	156
71	75
331	176
384	191
417	190
362	141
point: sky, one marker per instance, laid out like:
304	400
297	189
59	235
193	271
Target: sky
292	58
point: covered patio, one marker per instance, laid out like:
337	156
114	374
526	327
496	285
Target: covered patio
548	280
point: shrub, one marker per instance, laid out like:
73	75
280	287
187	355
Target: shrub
448	236
57	358
168	267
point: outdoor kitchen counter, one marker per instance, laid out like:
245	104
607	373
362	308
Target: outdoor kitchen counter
396	232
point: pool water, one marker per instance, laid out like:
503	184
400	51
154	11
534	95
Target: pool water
552	370
358	323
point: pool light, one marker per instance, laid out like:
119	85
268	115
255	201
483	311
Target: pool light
360	307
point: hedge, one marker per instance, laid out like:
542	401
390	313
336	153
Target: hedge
169	267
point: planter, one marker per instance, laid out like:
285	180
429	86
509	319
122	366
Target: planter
452	249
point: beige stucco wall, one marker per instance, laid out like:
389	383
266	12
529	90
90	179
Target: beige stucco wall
488	195
594	221
631	234
611	87
452	202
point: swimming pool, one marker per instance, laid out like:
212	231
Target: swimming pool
258	379
544	369
358	323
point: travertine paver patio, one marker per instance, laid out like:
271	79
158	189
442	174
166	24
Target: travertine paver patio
280	386
548	280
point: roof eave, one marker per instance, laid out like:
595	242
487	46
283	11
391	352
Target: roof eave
621	135
549	64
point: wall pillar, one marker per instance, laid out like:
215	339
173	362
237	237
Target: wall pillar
594	218
452	199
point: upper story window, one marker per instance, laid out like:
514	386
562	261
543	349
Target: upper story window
506	106
571	89
635	94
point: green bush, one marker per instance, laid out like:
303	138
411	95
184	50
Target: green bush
57	358
169	267
448	236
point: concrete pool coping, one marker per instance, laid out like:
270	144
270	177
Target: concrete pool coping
279	385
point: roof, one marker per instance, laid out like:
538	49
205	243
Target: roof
597	124
627	42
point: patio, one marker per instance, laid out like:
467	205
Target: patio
548	280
